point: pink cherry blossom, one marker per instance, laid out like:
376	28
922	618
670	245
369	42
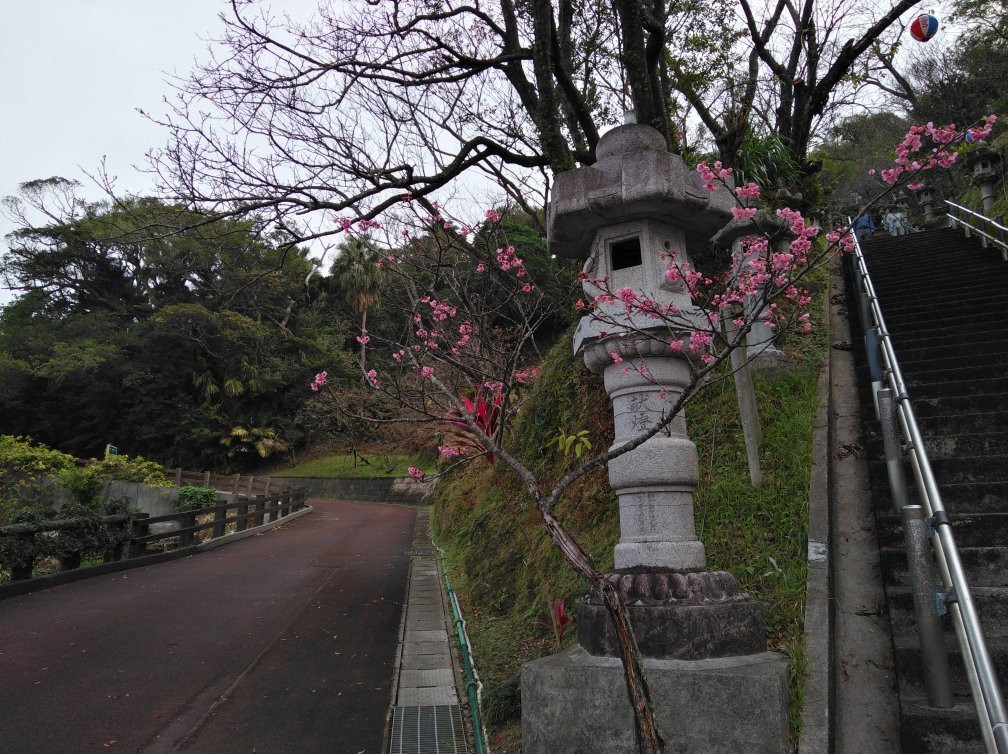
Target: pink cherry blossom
320	381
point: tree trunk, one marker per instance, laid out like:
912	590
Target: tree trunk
363	346
649	740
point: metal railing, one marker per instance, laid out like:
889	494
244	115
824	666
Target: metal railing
988	230
474	687
929	521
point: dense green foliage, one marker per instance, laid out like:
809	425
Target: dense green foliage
149	327
31	477
195	498
28	470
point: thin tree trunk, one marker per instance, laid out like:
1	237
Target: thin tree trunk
363	346
649	740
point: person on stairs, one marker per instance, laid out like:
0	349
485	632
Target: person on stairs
864	225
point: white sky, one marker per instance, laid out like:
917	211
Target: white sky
74	72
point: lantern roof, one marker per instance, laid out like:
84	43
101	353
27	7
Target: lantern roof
635	177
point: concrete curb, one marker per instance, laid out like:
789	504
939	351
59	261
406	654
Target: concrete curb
18	588
815	735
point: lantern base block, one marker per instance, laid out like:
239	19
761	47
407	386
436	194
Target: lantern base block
574	703
691	615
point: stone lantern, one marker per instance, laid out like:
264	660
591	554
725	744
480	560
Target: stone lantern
927	197
986	165
761	352
713	684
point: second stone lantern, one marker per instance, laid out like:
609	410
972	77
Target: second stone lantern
714	685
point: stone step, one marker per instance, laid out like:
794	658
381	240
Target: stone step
925	730
991	604
895	279
941	445
916	330
966	375
975	498
982	334
982	386
968	529
963	424
902	304
950	446
949	472
916	360
898	321
957	405
910	665
984	566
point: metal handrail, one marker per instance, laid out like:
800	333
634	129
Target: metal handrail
976	658
1001	240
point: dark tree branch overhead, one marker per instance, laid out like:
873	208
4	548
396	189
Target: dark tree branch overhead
351	112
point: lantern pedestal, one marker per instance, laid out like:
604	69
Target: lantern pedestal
574	703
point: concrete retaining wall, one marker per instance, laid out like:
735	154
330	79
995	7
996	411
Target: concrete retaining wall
156	501
403	490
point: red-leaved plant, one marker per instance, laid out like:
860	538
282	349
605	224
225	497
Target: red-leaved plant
560	620
485	411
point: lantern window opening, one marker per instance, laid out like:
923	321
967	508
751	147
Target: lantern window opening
625	253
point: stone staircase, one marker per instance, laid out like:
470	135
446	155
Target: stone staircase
945	299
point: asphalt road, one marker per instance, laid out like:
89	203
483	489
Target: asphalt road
283	642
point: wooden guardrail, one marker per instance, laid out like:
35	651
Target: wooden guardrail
254	501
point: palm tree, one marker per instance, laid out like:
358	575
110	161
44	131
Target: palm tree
359	277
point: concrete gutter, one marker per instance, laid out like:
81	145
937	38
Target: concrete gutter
815	733
865	710
17	588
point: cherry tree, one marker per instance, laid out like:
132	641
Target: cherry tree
366	102
465	353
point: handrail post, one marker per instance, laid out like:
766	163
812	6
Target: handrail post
873	351
934	654
241	512
893	450
140	529
186	537
220	514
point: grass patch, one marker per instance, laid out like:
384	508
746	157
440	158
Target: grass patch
367	466
507	573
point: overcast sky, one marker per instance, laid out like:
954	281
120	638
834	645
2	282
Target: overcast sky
74	72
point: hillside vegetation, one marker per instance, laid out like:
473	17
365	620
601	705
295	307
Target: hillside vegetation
508	574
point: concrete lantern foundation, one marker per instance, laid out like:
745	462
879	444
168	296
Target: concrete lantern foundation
726	704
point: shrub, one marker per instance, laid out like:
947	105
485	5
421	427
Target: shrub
502	702
195	498
85	482
23	469
131	469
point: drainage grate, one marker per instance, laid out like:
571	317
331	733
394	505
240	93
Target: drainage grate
427	730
